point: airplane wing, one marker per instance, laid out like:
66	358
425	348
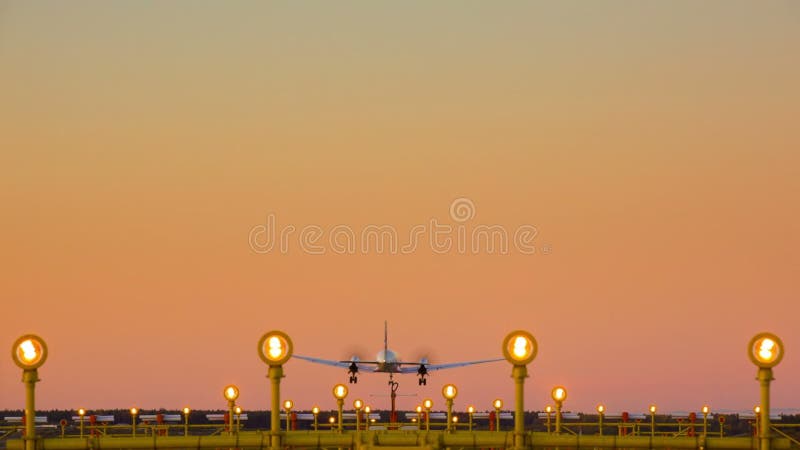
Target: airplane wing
431	367
343	364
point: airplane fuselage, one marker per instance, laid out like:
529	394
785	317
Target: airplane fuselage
388	362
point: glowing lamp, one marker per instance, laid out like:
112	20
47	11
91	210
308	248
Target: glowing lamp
449	391
231	392
519	347
706	409
340	391
134	411
315	410
275	348
186	411
238	410
652	409
765	350
497	403
427	403
601	409
559	393
288	404
29	352
470	409
358	404
81	412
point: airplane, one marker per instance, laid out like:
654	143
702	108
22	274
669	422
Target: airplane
387	361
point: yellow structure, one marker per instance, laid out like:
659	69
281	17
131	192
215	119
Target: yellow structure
559	394
275	348
765	351
339	393
519	348
449	393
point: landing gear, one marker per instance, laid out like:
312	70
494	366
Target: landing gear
353	372
423	382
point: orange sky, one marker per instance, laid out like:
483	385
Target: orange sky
653	146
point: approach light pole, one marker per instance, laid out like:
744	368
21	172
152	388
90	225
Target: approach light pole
601	412
427	404
29	352
231	393
287	405
275	348
765	351
559	394
519	348
449	392
340	392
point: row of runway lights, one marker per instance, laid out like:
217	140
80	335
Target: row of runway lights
275	348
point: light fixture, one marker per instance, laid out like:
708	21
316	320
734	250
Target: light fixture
519	347
230	392
275	348
29	352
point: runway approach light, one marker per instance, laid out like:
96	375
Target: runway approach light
519	347
231	393
358	404
652	409
449	391
134	411
186	411
81	412
275	348
497	403
756	409
427	404
287	405
601	409
29	352
237	410
765	350
705	409
559	394
315	410
340	391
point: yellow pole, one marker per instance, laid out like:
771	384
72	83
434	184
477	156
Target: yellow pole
497	419
185	424
449	402
275	374
548	422
30	377
764	378
81	425
340	403
231	405
316	423
705	423
427	419
470	420
518	373
600	425
558	417
652	424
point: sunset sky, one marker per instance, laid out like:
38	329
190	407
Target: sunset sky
654	148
